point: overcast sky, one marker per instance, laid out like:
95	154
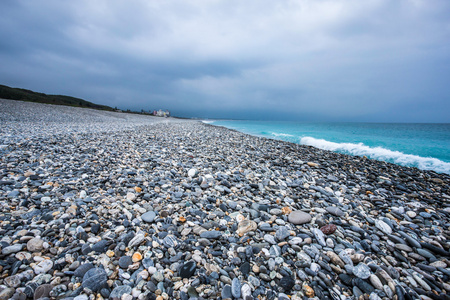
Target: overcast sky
318	60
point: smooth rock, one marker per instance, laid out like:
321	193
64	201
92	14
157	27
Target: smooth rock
95	279
236	288
188	269
35	245
119	291
299	217
245	226
148	217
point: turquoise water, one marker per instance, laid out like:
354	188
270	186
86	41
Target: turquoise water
425	146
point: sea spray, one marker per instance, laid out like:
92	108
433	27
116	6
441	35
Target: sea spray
425	146
380	153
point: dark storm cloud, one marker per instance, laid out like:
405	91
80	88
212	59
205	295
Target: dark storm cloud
373	60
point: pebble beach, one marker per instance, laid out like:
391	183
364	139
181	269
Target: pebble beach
107	205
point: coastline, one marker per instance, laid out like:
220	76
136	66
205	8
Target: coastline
424	146
113	204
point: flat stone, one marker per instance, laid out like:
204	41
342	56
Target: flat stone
335	211
12	249
299	217
13	281
100	246
212	234
270	239
383	226
403	247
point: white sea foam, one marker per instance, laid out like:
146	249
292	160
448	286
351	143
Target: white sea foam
207	121
379	153
281	134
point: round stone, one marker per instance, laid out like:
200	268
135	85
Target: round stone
35	245
299	217
148	216
125	262
362	271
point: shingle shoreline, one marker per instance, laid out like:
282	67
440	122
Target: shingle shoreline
102	204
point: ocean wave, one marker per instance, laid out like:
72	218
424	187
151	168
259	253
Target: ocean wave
281	134
380	153
207	121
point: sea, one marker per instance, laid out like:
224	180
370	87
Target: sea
424	146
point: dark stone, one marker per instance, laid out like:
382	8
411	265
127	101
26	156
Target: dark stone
345	279
100	246
95	228
188	269
363	285
30	288
245	268
287	283
95	279
105	292
82	269
435	249
125	261
214	234
85	249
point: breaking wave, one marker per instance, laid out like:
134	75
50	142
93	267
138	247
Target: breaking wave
380	153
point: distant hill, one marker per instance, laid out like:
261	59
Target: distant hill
7	92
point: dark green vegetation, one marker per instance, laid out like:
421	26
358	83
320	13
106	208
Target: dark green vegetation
7	92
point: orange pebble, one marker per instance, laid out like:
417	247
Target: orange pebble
137	257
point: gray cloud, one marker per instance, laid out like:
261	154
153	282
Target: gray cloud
374	60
